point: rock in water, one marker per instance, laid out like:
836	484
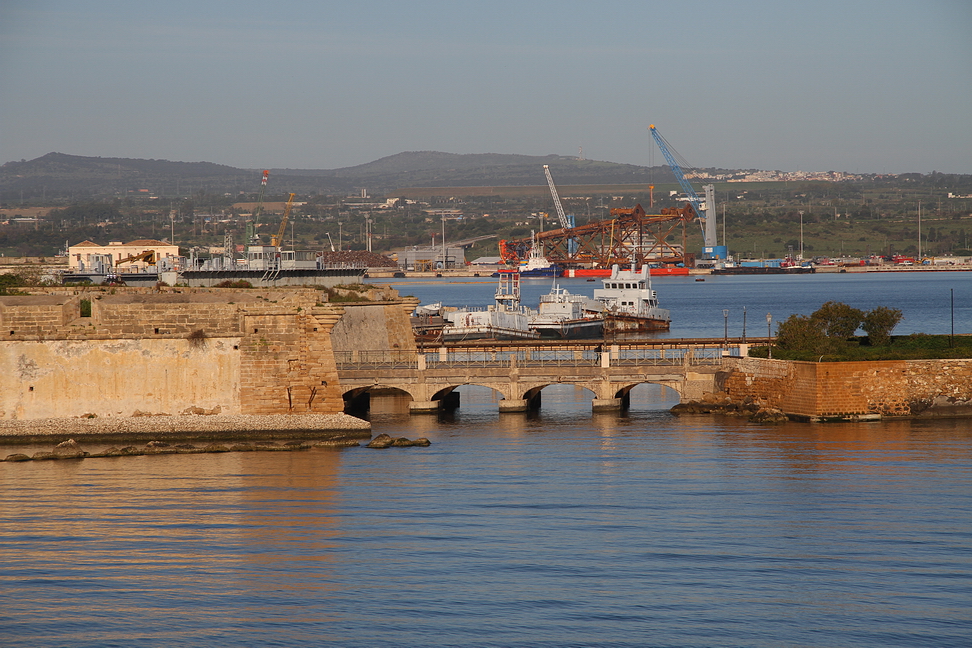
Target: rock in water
770	416
69	449
380	442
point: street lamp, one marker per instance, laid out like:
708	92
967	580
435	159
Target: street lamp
769	334
744	325
725	335
801	235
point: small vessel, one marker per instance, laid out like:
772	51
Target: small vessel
427	323
506	319
629	302
562	315
535	265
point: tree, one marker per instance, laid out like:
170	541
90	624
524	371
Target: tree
838	320
800	333
879	323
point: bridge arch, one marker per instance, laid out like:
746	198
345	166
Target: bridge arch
671	388
358	399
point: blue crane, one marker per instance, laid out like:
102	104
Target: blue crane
566	220
708	230
666	150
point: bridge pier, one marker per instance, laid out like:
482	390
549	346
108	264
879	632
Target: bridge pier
513	405
610	404
531	402
424	407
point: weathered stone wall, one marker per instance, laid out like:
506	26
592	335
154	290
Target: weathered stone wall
287	363
175	351
40	314
68	378
841	389
375	327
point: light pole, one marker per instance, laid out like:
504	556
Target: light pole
919	233
444	259
725	335
801	235
769	334
744	325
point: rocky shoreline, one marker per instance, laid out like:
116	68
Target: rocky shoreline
184	428
71	449
721	403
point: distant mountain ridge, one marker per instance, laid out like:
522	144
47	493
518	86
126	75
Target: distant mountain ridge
59	173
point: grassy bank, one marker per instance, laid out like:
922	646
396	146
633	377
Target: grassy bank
917	346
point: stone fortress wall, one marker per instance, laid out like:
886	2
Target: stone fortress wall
167	351
886	388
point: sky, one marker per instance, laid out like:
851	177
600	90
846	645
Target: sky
861	86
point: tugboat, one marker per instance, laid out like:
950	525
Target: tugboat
565	316
629	302
504	320
535	265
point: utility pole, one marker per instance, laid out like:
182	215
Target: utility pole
725	335
769	334
801	235
919	233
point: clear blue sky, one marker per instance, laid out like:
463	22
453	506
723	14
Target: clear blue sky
853	85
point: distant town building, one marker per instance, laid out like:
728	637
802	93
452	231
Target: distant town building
133	256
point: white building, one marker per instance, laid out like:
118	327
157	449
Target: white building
133	256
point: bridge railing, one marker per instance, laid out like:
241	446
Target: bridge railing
670	357
391	359
523	357
534	356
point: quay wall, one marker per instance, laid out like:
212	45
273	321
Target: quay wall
169	351
889	388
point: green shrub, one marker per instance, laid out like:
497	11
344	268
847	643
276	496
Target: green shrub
838	319
879	323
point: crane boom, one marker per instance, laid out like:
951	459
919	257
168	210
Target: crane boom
707	216
677	172
276	240
564	222
251	227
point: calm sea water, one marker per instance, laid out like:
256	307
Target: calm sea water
925	298
558	528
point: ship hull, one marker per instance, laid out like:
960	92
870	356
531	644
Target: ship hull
486	332
622	323
582	329
606	272
762	270
552	271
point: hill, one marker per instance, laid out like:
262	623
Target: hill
73	176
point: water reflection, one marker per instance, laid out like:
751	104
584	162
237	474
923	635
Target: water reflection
562	527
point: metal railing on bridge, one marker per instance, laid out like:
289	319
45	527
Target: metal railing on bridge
591	355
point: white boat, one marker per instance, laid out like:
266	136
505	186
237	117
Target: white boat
563	315
535	265
629	302
428	310
506	319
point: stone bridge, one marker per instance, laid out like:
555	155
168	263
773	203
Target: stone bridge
520	371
